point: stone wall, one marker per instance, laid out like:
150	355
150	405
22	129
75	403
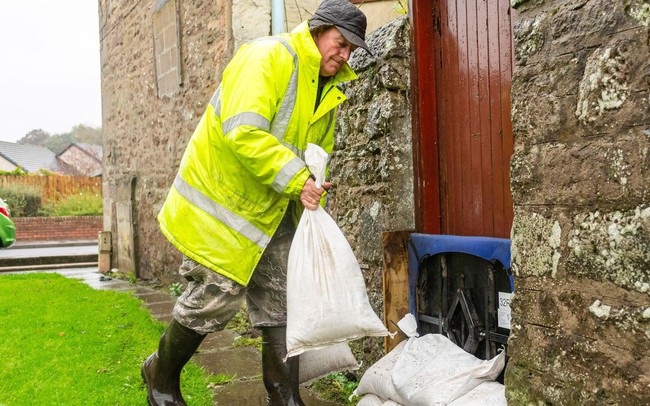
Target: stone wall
580	183
372	162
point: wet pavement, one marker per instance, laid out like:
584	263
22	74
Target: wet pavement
216	354
48	255
48	251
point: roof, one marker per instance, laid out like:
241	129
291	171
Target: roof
82	159
92	150
29	157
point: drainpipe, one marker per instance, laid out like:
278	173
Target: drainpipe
277	17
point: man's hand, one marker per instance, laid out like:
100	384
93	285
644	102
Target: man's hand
311	195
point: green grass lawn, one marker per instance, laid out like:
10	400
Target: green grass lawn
64	343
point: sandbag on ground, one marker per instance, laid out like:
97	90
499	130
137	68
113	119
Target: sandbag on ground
432	371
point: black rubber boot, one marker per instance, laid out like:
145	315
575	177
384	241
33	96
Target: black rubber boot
280	378
161	372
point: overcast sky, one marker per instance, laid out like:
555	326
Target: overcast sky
49	66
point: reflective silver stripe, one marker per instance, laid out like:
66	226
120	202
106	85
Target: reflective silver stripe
215	101
281	120
293	149
232	220
246	118
287	173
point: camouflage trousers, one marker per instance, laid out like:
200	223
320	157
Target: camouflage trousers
211	300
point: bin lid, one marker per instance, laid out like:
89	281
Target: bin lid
488	248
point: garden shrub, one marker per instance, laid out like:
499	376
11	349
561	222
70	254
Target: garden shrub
80	204
23	200
19	171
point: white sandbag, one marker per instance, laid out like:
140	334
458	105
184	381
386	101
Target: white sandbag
371	400
488	393
327	302
408	325
431	370
317	364
377	380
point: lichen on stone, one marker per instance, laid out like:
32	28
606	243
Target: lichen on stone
382	110
619	170
640	11
554	241
630	319
642	287
646	313
374	210
522	169
599	309
528	37
535	245
604	84
612	247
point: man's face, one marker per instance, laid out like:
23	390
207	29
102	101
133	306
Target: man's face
334	49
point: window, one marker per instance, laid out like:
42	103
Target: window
167	47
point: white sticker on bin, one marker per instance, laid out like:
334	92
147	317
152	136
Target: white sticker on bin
503	313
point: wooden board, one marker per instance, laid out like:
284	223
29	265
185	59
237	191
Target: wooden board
395	282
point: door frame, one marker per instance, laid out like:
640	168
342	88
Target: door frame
426	166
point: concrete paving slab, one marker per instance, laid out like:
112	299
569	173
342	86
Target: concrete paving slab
163	318
109	285
53	267
245	362
154	296
249	393
54	243
85	272
160	307
66	271
219	339
252	393
142	291
126	289
48	252
95	282
310	398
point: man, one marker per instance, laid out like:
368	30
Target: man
233	206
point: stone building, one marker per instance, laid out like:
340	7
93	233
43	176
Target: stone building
575	200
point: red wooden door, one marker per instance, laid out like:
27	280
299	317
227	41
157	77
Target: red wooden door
465	82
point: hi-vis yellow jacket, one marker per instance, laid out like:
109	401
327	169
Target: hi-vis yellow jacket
244	162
